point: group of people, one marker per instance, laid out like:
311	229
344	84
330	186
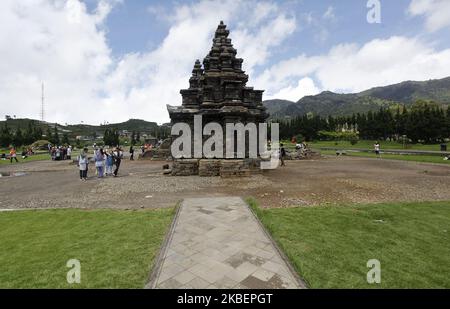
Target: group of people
60	152
13	154
104	162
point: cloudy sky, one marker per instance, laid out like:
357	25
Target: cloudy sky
111	60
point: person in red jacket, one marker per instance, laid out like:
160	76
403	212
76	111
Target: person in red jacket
13	155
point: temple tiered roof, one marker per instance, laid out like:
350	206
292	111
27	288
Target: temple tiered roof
218	87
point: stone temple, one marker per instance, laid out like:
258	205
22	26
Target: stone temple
218	92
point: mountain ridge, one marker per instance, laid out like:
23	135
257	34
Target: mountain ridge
328	103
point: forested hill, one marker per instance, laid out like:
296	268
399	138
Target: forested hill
328	103
137	125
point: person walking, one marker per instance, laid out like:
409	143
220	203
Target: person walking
13	155
118	155
69	153
131	153
282	154
377	149
109	162
83	163
58	154
99	159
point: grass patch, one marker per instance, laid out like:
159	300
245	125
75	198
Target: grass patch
368	144
330	246
116	248
403	157
36	157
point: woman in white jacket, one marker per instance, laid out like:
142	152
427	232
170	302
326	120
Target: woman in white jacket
83	163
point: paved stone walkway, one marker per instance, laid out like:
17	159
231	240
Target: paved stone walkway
218	243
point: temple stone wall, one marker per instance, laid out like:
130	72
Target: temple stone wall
185	167
218	92
234	168
209	167
215	167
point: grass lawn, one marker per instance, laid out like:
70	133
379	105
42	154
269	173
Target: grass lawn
367	144
116	248
37	157
414	158
330	246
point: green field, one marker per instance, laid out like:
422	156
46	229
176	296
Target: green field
116	248
330	246
365	144
36	157
413	158
368	144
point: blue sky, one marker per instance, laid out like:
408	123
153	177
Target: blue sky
110	60
132	27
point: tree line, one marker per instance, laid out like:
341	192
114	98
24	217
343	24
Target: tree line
425	122
111	137
20	136
31	134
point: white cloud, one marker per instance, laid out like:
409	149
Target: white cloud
329	14
304	87
354	68
436	13
62	43
148	81
66	47
58	42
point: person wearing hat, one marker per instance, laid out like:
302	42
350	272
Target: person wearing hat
118	155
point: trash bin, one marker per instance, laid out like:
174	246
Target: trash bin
443	147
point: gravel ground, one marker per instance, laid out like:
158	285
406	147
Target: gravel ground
141	184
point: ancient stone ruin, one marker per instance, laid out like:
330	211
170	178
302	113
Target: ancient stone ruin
218	92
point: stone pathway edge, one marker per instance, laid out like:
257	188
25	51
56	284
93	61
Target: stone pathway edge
280	252
156	270
157	266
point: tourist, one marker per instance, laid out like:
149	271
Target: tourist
99	160
282	154
58	154
118	155
69	152
142	149
53	153
377	149
131	153
13	155
24	153
109	162
64	152
83	164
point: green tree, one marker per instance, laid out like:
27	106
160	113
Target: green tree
56	135
107	137
133	137
6	137
65	139
37	133
49	136
28	137
18	138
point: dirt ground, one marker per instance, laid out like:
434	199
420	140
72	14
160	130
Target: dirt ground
331	180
